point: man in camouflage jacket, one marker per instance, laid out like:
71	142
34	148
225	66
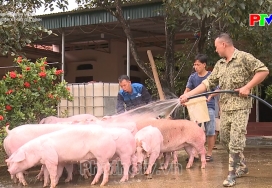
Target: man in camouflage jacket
239	71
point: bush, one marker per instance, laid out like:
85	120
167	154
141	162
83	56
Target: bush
31	92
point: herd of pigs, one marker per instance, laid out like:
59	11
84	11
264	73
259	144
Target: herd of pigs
58	143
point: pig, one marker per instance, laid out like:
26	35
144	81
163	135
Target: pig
125	149
178	134
75	118
149	141
24	133
131	126
71	144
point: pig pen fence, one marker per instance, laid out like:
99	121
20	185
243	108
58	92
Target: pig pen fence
98	99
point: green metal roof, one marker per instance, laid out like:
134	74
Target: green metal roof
98	16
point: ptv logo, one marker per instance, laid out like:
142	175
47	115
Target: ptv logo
261	18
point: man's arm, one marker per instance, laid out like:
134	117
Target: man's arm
187	90
120	108
206	84
145	95
256	67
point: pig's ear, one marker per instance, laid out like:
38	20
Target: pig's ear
19	156
145	146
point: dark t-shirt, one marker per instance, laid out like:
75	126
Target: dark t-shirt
194	81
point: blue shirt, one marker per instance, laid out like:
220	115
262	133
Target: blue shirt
194	81
138	97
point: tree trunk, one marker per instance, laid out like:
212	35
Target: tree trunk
203	35
169	52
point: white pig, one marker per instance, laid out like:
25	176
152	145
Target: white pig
149	141
77	118
67	145
24	133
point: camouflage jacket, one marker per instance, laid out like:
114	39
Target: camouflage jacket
233	75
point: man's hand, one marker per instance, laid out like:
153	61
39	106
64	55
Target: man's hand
210	97
183	98
243	91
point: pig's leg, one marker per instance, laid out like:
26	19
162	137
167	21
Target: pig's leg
202	151
167	157
52	169
102	166
69	169
152	159
106	169
126	162
45	176
14	178
86	169
40	175
134	166
21	178
175	157
59	172
98	173
113	166
191	152
161	157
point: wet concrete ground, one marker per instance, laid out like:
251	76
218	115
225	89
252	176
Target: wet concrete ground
259	161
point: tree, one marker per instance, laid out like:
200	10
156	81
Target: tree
18	26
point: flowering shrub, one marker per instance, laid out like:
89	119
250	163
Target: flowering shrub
31	93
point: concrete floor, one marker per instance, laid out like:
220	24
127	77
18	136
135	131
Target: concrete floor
259	160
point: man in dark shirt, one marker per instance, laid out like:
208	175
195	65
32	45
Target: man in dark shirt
131	95
194	80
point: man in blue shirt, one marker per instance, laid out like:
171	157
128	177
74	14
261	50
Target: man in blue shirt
194	80
131	95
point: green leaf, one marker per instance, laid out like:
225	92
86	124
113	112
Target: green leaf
260	2
242	5
197	15
181	9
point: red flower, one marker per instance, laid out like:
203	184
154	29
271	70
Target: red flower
42	74
9	91
20	76
45	62
58	72
50	96
35	81
8	107
4	77
27	84
28	68
12	74
1	118
68	89
19	59
42	68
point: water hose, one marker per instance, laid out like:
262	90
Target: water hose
230	91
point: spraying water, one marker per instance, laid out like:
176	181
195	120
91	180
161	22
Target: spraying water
151	110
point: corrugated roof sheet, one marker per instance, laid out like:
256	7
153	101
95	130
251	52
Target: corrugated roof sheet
97	16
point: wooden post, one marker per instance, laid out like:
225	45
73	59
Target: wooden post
155	74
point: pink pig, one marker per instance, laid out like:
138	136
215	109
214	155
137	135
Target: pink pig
71	144
75	118
149	141
178	134
24	133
